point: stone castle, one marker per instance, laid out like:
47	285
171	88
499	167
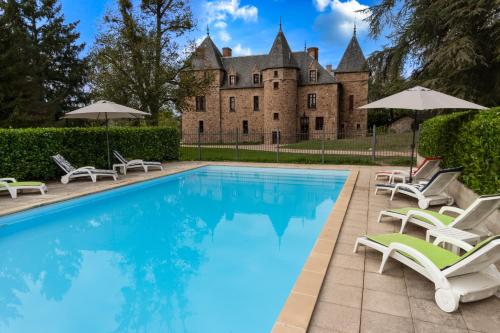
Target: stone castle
282	94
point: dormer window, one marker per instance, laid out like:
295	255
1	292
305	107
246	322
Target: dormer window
256	78
313	75
232	80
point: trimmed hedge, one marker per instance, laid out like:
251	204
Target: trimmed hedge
25	153
469	139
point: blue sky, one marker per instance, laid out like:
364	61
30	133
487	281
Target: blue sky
249	26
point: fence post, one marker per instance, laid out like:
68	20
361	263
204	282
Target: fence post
237	146
199	146
323	146
278	145
374	142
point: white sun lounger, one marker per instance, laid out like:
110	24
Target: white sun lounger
13	186
467	278
428	167
471	219
134	164
429	193
87	171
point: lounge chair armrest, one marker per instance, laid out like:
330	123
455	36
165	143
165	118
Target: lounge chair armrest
406	187
87	167
135	161
456	210
8	180
415	254
452	241
425	215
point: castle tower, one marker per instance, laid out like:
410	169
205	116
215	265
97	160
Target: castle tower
280	76
352	73
205	114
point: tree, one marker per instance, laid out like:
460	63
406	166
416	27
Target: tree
136	61
44	75
450	45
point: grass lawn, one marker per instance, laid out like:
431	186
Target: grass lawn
228	154
390	142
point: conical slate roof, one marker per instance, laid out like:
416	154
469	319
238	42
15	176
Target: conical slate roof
280	55
207	56
353	59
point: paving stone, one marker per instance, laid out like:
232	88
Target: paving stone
386	283
375	322
388	303
426	310
345	276
342	295
426	327
336	317
482	315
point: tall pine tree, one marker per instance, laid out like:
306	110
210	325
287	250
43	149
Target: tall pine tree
44	75
450	45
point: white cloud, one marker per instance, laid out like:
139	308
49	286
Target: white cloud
338	22
220	10
321	4
220	25
241	51
223	35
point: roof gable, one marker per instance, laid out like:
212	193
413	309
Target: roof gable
207	56
353	59
280	55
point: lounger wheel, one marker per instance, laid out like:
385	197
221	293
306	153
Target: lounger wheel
447	300
450	201
64	180
423	204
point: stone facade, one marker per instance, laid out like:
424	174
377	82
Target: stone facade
296	96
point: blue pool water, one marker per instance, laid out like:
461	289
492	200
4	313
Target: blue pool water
216	249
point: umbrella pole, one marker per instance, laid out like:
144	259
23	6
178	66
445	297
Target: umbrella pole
413	144
107	141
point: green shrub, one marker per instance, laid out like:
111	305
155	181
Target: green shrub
478	150
25	153
469	139
439	134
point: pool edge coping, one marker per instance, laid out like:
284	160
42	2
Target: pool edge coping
296	314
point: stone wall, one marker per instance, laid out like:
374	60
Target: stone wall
355	84
326	107
282	101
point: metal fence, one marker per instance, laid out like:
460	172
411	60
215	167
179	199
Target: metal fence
323	146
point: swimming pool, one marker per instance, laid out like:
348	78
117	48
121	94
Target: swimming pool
215	249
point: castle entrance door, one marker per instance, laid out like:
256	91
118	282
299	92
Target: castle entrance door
304	128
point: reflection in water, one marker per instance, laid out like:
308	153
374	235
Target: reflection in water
191	253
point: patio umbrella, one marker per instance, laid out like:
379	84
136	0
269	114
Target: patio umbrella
420	98
104	110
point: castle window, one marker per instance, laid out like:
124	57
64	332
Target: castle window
200	126
256	103
311	101
276	85
312	75
232	80
319	123
351	102
245	126
276	116
232	104
275	73
358	126
256	78
200	103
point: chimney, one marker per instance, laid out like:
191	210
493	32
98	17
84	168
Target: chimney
313	52
329	68
227	52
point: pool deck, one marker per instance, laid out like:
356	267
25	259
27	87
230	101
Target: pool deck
353	297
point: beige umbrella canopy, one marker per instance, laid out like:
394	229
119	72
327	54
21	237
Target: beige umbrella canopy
420	98
104	110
